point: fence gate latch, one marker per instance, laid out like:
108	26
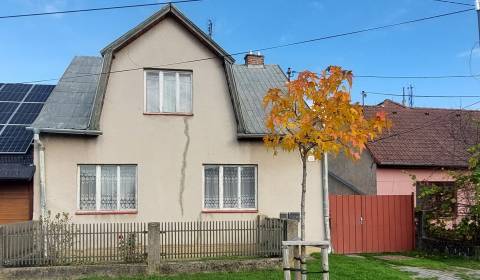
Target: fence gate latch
361	220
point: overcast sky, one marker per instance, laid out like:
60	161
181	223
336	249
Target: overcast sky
38	48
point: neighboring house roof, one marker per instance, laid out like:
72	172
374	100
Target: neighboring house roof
424	137
71	102
17	167
20	104
76	103
251	83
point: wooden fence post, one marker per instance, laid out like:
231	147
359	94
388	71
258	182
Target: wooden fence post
153	249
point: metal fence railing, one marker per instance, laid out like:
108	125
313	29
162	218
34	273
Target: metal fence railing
215	239
31	244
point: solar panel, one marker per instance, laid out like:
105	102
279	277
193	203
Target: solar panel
14	92
15	139
39	93
16	88
26	113
6	110
17	111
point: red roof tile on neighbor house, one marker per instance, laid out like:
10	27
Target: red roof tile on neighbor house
424	137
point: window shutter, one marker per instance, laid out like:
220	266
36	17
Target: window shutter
87	187
152	92
211	199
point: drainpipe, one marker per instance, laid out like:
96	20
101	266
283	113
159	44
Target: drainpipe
326	207
41	167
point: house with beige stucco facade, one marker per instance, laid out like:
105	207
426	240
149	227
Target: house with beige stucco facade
165	126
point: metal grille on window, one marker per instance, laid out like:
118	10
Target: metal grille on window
108	179
169	92
211	187
230	187
87	187
152	94
248	187
127	187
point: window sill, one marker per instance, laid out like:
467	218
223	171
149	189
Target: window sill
168	114
214	211
106	212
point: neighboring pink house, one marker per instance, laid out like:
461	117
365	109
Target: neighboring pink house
425	143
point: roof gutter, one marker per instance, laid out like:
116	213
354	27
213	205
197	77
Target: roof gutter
67	131
250	135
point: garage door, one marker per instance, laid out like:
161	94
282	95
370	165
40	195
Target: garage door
15	202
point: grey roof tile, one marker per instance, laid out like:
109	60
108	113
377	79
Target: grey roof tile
71	102
252	83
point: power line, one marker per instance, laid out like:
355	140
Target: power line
96	9
424	96
293	44
456	3
427	123
417	77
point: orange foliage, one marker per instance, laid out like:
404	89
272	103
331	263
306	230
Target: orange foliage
315	115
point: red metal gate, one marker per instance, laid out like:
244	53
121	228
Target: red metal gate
372	223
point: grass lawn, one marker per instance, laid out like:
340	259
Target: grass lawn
341	267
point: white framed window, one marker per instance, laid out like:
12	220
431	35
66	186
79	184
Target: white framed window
107	187
168	91
229	187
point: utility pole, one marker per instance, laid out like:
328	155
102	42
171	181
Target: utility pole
364	94
403	96
410	96
289	73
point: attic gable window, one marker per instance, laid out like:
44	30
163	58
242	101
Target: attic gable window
168	91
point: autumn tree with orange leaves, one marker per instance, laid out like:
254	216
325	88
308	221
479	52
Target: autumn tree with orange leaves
314	115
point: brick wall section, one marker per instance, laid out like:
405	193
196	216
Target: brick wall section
254	59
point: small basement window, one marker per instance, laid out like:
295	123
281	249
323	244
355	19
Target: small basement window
107	187
230	187
168	91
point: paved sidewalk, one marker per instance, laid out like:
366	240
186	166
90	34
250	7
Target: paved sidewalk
440	274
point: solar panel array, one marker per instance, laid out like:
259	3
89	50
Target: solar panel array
20	105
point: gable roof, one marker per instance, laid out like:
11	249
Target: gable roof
424	137
76	103
70	105
168	10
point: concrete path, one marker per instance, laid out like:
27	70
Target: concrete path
440	274
455	273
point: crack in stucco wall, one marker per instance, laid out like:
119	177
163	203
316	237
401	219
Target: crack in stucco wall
186	132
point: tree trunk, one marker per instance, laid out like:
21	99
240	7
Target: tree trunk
302	216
